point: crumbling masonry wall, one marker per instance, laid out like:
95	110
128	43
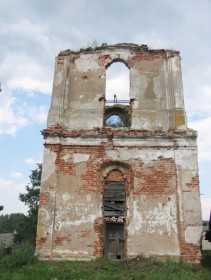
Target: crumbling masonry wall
156	158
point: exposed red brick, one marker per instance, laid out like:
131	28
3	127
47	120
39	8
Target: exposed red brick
104	59
98	245
61	240
115	175
157	177
44	198
194	183
41	241
77	183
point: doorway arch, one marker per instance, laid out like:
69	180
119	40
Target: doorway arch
114	205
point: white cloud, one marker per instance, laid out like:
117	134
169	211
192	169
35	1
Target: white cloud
198	106
10	122
16	174
197	88
7	184
16	113
28	31
30	84
204	136
30	74
25	69
153	41
117	81
9	197
206	208
37	114
31	161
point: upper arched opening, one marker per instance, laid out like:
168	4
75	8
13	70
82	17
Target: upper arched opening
120	60
117	82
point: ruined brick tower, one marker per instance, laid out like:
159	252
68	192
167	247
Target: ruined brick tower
119	192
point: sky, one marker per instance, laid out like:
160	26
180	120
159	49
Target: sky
32	33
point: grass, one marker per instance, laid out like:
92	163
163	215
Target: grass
17	266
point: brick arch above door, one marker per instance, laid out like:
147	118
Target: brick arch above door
122	167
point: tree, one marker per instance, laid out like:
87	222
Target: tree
10	223
31	198
27	230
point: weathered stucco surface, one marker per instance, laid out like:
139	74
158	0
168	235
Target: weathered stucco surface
155	158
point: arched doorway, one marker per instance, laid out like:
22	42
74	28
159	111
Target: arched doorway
114	204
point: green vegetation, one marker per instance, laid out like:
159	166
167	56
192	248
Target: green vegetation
27	230
16	256
25	226
21	265
10	223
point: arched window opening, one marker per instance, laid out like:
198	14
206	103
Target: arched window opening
117	83
114	121
117	116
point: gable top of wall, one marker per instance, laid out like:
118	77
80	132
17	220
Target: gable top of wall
155	95
126	46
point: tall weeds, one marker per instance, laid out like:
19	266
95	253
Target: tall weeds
17	256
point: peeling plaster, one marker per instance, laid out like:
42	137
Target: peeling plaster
48	164
88	198
145	155
58	78
65	196
86	63
187	158
67	157
136	219
89	219
162	215
193	234
72	213
74	252
78	157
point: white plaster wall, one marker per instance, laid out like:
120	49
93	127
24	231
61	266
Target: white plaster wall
48	167
193	234
152	226
87	62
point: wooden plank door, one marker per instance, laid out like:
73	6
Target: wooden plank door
114	199
114	241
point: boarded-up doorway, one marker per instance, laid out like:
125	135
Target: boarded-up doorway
114	199
114	203
114	240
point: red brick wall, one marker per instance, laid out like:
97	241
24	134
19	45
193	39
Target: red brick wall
156	178
115	175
